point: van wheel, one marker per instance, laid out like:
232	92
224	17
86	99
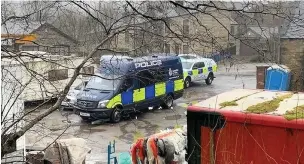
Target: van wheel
187	82
168	102
116	115
209	79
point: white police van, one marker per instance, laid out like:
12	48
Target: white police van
198	69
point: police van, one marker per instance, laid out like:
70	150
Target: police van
198	69
128	85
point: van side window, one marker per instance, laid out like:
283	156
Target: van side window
159	74
127	84
145	78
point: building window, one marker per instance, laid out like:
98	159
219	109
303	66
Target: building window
88	70
186	27
176	48
232	30
127	37
167	31
59	50
167	48
59	74
185	49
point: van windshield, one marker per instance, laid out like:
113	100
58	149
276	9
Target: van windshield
103	83
187	65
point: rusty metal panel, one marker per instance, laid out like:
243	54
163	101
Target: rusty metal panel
260	76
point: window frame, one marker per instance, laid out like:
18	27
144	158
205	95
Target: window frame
186	27
186	45
55	71
89	70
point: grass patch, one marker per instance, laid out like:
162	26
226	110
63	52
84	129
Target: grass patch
233	102
137	135
268	106
178	126
228	103
296	113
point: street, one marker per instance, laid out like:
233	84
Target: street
146	123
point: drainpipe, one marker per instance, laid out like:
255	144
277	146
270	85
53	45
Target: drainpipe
279	46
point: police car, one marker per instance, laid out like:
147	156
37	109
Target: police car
189	56
126	85
198	69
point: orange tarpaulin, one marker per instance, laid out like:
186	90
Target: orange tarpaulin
21	38
27	39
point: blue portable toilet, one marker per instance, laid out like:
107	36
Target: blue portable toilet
277	78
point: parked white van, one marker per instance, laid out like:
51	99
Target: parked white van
198	69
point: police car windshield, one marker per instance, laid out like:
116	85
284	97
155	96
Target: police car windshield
186	65
103	84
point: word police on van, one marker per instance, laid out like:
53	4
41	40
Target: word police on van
148	64
123	86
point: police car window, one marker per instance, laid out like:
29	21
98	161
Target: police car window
196	65
201	64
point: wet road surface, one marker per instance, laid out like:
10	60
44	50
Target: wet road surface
66	124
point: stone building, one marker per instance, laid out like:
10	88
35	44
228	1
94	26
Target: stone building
194	32
37	36
256	34
292	49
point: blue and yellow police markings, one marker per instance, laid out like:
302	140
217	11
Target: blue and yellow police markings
149	92
204	70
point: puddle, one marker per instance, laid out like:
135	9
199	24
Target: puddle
89	129
173	117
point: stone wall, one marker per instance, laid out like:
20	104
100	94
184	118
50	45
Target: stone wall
292	55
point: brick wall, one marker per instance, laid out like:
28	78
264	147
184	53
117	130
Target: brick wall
292	55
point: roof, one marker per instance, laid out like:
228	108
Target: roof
199	59
19	27
114	57
296	27
262	102
265	32
10	58
25	28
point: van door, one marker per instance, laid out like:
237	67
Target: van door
201	75
126	90
144	85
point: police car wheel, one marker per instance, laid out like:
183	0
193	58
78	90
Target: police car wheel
168	102
209	80
187	82
116	115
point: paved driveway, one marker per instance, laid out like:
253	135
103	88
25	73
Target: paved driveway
146	123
